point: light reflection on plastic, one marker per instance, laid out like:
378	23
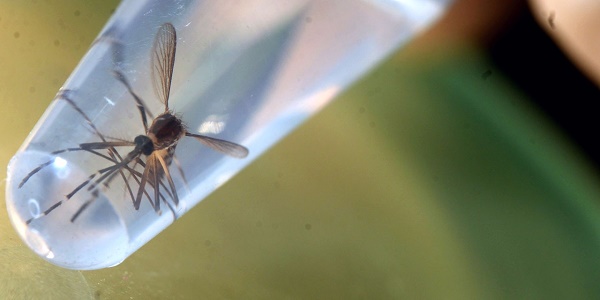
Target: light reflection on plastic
213	124
59	163
222	179
60	167
109	101
34	207
420	11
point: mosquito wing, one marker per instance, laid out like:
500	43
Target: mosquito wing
225	147
163	60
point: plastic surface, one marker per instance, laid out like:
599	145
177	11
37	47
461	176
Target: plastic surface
244	72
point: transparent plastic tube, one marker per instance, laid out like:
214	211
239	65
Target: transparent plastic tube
245	71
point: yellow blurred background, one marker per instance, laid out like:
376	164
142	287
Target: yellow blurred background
431	178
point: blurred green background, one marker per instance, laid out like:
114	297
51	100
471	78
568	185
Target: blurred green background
431	178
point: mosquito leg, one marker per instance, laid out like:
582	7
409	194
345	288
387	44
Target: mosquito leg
89	201
110	36
135	174
138	101
105	145
156	184
115	157
167	190
65	95
118	167
163	185
131	172
170	208
128	187
81	148
151	166
84	206
159	196
113	154
171	184
67	197
117	55
107	170
180	169
34	171
141	162
46	212
142	188
169	178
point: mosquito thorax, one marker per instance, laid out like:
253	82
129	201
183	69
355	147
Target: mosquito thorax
166	130
144	143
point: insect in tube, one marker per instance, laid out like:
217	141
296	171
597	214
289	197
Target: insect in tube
157	144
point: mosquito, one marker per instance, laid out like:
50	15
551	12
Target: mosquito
157	144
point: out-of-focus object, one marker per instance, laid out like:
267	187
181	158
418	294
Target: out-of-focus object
574	26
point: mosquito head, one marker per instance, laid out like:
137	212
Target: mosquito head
144	143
